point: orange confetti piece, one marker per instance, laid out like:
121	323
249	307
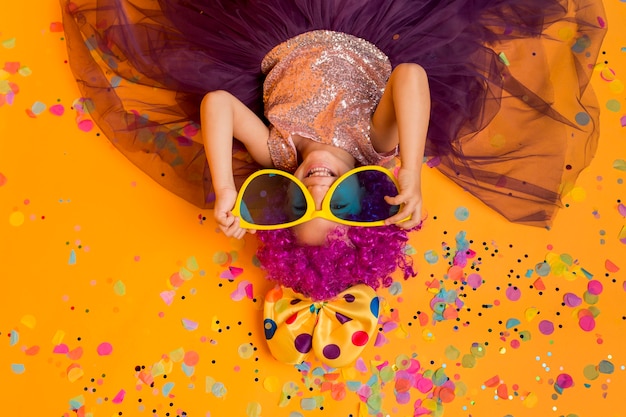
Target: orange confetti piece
75	354
539	284
493	381
503	391
455	273
32	351
338	392
610	266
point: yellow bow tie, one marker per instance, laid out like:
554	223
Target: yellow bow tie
336	330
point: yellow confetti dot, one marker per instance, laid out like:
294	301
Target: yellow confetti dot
531	400
74	374
16	218
271	383
29	321
530	313
237	244
428	335
4	75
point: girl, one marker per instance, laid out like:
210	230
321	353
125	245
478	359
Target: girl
308	86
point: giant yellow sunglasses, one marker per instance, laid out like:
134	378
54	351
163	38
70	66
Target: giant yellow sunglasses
273	199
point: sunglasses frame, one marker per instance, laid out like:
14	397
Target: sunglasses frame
310	213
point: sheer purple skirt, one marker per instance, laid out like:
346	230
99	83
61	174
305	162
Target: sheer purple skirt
513	117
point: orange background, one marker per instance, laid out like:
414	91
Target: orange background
119	298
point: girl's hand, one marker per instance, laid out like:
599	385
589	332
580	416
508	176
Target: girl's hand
411	196
229	224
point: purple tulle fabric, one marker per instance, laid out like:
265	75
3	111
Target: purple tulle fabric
499	110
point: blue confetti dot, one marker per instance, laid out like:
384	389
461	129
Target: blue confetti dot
582	118
18	368
461	213
431	257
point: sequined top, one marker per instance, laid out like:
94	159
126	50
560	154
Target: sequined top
324	86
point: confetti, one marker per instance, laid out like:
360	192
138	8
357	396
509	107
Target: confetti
104	349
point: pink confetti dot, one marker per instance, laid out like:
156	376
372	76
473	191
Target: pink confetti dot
594	287
515	344
587	323
85	125
546	327
57	110
104	349
564	381
474	281
191	358
513	293
572	300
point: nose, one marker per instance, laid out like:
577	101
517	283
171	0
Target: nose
318	192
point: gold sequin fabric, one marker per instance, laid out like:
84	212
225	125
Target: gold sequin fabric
324	86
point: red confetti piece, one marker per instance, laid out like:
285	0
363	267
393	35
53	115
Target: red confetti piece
610	266
56	27
493	381
11	67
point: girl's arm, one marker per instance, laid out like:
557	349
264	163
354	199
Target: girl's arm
402	118
223	117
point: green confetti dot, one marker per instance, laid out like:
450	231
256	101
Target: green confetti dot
590	298
468	361
440	377
452	353
220	257
478	351
9	43
387	374
524	336
619	164
25	71
591	372
606	367
119	288
375	402
613	105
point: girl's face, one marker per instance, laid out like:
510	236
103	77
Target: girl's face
318	171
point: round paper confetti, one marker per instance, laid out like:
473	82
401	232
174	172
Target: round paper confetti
546	327
104	349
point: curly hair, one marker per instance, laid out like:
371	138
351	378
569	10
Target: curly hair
353	255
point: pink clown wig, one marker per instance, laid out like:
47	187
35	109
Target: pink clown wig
354	255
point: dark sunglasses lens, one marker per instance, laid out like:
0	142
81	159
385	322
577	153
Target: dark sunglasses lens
272	199
361	197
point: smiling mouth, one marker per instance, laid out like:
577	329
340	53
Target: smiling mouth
320	172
